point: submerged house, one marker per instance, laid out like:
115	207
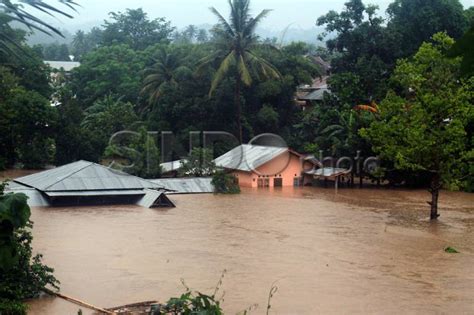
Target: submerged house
265	166
310	95
86	183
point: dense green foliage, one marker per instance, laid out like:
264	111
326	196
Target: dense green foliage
22	275
198	163
424	118
225	183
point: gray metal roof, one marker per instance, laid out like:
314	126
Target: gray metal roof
84	176
35	198
248	157
328	172
66	65
171	166
154	199
197	185
316	95
90	193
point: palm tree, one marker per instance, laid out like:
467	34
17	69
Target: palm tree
342	134
16	12
235	51
79	43
166	65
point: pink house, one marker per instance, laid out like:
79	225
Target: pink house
265	166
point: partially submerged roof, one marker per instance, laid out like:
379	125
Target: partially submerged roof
248	157
328	172
186	185
84	176
155	199
86	183
66	65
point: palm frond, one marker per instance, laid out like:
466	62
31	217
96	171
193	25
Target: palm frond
222	21
332	128
250	28
203	63
16	12
222	71
244	72
266	69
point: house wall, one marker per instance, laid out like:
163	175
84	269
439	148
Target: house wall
285	167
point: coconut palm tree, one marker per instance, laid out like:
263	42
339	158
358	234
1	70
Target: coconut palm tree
79	44
236	41
15	11
167	63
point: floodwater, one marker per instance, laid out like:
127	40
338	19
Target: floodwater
360	251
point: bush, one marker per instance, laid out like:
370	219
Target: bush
225	183
22	275
8	307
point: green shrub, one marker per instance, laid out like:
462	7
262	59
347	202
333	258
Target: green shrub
190	303
22	275
8	307
225	183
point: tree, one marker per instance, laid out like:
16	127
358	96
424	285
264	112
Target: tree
423	119
56	52
464	48
198	164
106	117
108	70
135	29
366	50
79	44
417	20
202	36
141	151
236	44
225	183
167	64
22	275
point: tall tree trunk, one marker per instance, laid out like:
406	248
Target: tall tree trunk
434	190
238	105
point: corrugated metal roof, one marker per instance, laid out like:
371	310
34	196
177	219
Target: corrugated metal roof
171	166
66	65
328	172
198	185
316	95
95	193
155	198
248	157
84	176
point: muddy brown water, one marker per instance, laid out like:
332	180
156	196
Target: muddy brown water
360	251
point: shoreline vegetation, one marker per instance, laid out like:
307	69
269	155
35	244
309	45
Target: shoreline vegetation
394	90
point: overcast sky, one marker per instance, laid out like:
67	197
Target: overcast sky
303	13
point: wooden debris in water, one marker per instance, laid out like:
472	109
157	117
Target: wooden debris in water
140	308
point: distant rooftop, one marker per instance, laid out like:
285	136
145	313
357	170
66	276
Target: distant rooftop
66	65
316	95
248	157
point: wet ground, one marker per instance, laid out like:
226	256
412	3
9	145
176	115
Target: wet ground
360	251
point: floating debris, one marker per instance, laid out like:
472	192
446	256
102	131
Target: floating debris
451	250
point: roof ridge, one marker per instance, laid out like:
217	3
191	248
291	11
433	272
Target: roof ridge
125	174
70	174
